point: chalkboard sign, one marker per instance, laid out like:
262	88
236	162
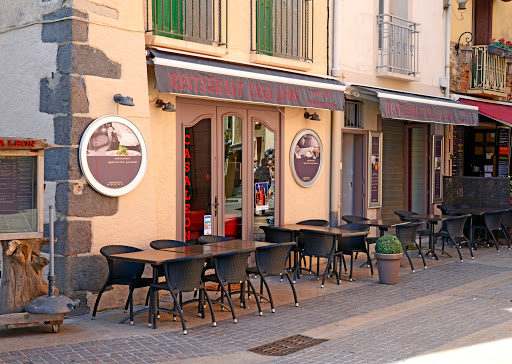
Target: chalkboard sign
503	152
458	151
18	194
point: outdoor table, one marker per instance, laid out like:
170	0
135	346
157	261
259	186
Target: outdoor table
338	231
219	248
154	257
433	219
382	224
475	211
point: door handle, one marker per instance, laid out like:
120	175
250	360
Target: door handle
215	204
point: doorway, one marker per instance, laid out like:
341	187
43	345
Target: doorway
352	195
416	168
228	160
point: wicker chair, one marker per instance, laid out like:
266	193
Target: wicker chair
314	222
181	275
406	233
321	245
506	222
271	261
455	229
492	222
405	216
279	235
353	244
122	273
166	244
300	241
353	219
231	268
210	239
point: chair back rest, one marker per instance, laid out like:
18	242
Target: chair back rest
271	259
323	223
461	206
406	233
210	239
353	218
356	243
231	267
455	225
166	244
184	274
318	243
444	208
403	215
277	235
506	219
493	220
119	269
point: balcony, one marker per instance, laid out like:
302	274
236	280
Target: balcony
199	21
282	28
488	73
398	47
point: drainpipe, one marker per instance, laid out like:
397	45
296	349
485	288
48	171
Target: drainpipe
447	48
336	119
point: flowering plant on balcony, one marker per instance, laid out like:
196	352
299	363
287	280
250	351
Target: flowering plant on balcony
502	43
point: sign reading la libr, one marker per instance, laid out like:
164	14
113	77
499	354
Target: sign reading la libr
113	155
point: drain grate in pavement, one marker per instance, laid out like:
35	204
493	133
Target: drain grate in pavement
288	345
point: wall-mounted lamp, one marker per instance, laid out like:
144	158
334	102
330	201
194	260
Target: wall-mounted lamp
313	116
467	51
462	5
123	100
166	106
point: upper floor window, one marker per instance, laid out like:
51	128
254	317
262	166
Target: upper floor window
201	21
354	114
282	28
398	39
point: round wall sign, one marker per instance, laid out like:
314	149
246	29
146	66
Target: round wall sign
113	155
306	155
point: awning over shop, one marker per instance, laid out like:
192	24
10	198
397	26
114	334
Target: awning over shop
184	74
407	106
499	112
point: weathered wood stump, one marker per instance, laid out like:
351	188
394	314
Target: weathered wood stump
22	272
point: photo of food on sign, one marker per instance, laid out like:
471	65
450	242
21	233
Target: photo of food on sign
114	154
306	157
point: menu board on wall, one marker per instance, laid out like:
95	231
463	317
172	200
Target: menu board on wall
503	152
458	151
18	203
306	157
375	170
437	168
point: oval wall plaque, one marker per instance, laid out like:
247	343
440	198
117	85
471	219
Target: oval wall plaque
113	155
306	157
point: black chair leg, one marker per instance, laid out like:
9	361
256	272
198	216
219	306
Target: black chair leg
421	255
507	238
297	268
293	290
409	258
369	261
255	296
351	266
230	303
180	312
98	299
214	323
127	305
147	299
269	294
458	249
495	241
130	298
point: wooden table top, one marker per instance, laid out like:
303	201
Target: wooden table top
383	223
220	247
327	229
477	211
428	217
153	257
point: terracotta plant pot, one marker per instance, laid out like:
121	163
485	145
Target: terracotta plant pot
388	265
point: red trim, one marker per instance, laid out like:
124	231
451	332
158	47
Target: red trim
499	112
409	170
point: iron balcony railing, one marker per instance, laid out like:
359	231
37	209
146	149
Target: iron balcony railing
398	45
488	72
202	21
282	28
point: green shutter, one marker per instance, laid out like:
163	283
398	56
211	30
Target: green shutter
168	18
265	31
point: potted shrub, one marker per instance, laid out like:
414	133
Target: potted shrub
388	251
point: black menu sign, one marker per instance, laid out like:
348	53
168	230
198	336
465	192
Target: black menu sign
458	151
503	152
17	194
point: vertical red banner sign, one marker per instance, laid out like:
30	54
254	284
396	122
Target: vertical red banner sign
188	187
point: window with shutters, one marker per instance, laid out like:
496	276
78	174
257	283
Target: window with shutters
354	114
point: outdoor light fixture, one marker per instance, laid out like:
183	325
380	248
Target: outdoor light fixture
166	106
313	116
123	100
462	5
467	51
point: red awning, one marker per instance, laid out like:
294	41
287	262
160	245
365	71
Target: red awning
497	112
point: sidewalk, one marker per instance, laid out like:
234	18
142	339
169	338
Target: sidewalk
451	312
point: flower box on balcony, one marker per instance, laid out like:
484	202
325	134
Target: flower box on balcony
498	51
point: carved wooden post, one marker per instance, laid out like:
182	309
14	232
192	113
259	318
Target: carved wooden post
22	271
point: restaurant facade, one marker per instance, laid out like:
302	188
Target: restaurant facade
223	119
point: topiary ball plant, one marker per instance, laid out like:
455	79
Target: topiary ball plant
388	244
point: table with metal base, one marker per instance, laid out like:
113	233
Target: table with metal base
433	220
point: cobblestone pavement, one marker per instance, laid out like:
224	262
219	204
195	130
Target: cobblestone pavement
366	322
